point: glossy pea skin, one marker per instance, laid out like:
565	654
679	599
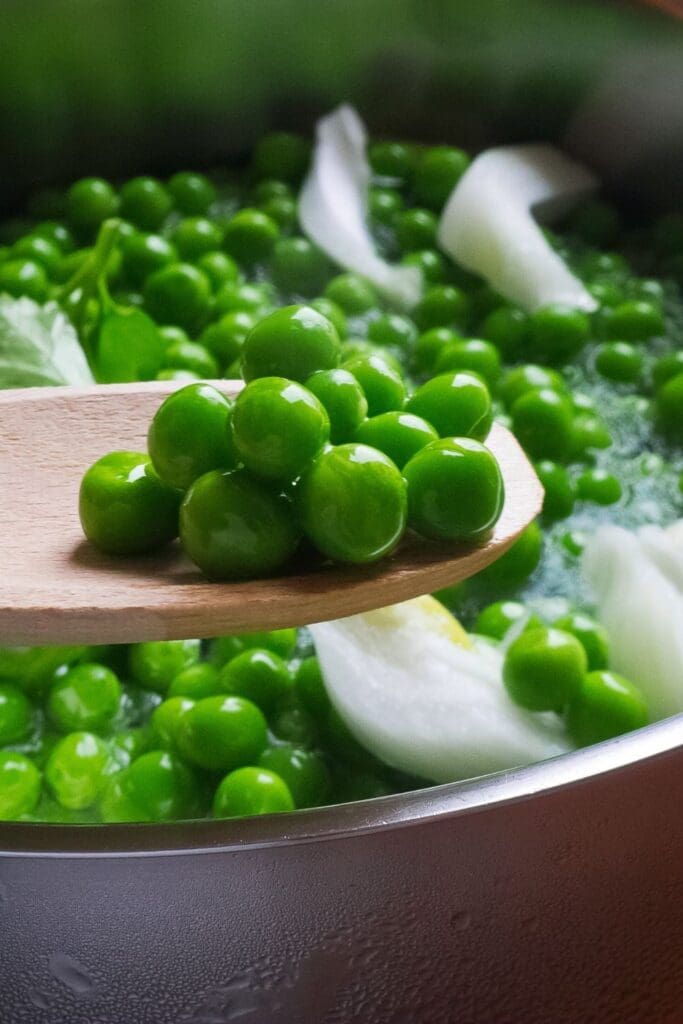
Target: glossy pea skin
666	367
456	404
259	675
280	641
192	193
429	262
472	354
394	331
309	686
544	669
635	320
166	721
591	635
517	564
222	733
224	337
508	329
282	155
599	486
304	772
250	236
619	361
588	432
400	435
352	293
300	267
438	171
192	356
157	786
343	399
193	237
384	204
455	490
234	526
249	791
56	232
154	664
530	377
178	294
442	305
24	278
19	785
332	312
605	705
195	682
16	715
189	435
392	159
559	489
542	421
278	426
87	697
125	509
292	342
40	250
669	406
496	619
293	724
89	202
76	769
416	229
145	202
219	268
383	386
144	254
270	188
429	346
352	503
283	210
558	332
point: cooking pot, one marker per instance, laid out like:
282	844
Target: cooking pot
544	895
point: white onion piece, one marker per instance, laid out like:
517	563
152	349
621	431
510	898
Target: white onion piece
638	582
487	224
424	704
333	203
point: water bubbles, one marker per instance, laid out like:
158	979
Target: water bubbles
38	998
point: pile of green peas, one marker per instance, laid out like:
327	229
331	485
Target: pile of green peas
212	261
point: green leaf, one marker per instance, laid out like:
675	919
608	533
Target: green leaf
128	346
39	346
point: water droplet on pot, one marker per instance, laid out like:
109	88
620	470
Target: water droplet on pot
72	974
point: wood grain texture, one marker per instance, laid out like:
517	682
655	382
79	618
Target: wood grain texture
55	588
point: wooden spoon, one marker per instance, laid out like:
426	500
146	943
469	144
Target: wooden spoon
55	588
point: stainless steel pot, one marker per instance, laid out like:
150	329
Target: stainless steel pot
545	895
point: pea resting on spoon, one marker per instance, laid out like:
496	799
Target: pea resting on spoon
56	587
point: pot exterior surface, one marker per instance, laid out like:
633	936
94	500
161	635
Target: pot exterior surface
562	908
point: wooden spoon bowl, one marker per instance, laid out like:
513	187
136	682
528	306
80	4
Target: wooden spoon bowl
55	588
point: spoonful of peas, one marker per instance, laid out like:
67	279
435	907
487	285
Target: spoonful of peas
94	579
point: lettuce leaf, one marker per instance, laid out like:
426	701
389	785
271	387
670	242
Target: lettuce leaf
39	346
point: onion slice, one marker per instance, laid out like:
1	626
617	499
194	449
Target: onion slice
487	224
333	204
423	702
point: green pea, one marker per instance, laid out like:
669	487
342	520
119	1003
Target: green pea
429	346
190	355
599	486
283	211
40	250
283	155
606	293
300	267
189	435
19	785
166	721
250	236
142	255
393	330
128	745
56	232
438	171
384	204
518	563
429	262
278	426
636	320
181	376
442	305
192	193
544	669
294	724
496	619
508	329
224	338
303	771
77	768
222	733
193	237
280	641
529	378
89	202
157	786
86	698
154	664
259	675
352	347
666	367
343	399
392	160
605	705
309	685
416	229
574	542
178	294
669	406
619	361
559	490
125	509
471	354
542	421
400	435
270	188
591	635
24	278
219	268
558	332
455	490
352	293
588	431
239	297
250	791
195	682
234	527
332	312
456	404
292	342
146	203
16	715
352	502
383	386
